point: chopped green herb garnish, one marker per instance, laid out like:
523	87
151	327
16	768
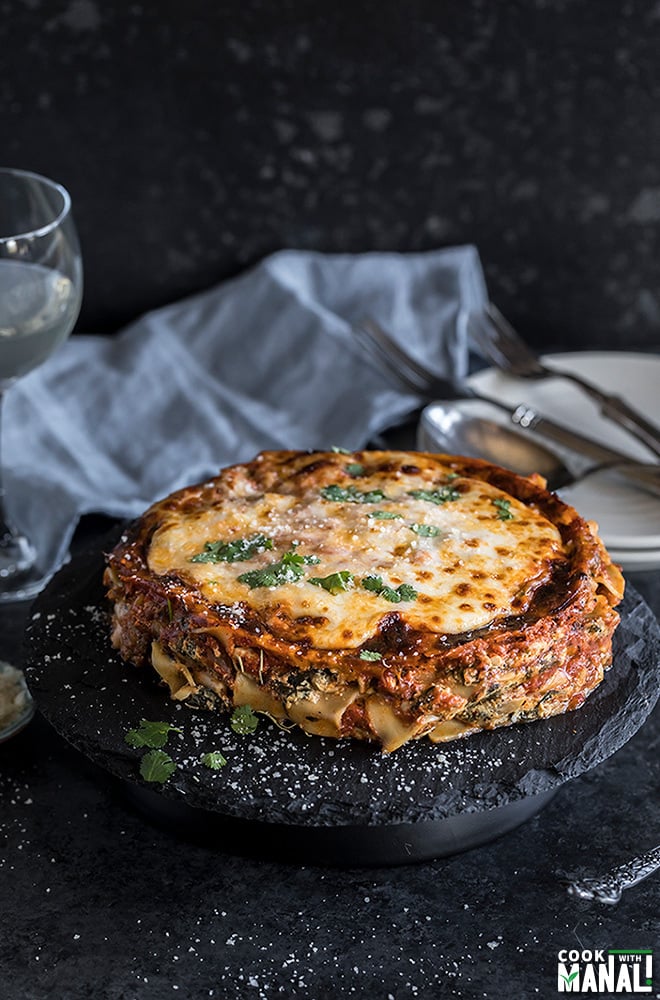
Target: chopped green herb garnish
404	592
452	475
340	451
399	594
370	654
384	515
237	551
425	530
442	495
156	765
503	511
170	613
243	720
214	760
350	494
354	469
335	583
289	569
150	734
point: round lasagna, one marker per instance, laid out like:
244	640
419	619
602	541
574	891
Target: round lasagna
383	596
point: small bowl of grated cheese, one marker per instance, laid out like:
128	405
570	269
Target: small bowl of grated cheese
16	705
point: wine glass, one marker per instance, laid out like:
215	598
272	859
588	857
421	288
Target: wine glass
40	294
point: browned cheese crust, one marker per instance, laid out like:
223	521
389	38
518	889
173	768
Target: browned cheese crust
385	595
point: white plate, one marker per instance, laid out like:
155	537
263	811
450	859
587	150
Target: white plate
638	560
628	518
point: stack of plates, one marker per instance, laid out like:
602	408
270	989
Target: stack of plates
628	518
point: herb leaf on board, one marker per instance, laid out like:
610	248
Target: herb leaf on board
158	766
150	734
243	720
214	760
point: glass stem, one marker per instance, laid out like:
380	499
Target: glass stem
6	531
17	555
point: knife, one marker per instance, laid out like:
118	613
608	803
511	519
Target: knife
647	476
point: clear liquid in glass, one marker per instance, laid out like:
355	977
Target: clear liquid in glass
38	306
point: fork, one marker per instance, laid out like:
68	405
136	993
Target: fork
417	377
495	339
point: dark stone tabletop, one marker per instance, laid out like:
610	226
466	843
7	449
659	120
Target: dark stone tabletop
195	138
96	901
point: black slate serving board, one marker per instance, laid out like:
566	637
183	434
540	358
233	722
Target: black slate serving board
289	779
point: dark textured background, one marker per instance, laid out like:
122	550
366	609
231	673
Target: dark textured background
197	137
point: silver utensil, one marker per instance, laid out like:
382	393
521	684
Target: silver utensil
449	426
421	381
646	475
496	340
608	888
458	428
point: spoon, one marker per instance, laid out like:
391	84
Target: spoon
464	427
460	430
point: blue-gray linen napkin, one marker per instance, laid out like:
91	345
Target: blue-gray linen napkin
266	360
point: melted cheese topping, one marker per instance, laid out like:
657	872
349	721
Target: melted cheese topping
475	569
